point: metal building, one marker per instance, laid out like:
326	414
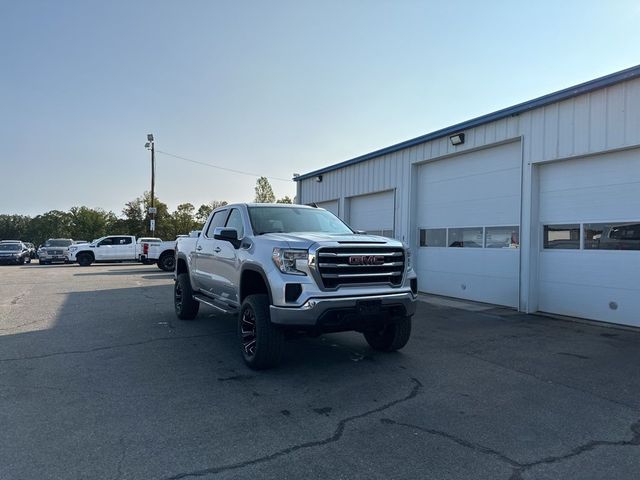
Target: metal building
536	206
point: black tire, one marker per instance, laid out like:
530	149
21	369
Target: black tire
261	342
42	262
84	259
185	306
20	261
392	337
167	262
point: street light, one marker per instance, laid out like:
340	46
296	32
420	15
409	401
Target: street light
152	210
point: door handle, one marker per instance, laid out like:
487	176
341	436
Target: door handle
217	250
199	247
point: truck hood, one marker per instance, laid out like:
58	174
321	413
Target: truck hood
80	245
306	239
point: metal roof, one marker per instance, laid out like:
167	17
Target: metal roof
581	89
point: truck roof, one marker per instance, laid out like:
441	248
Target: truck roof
278	205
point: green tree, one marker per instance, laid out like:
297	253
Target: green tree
15	227
90	223
134	216
182	219
206	208
264	192
52	224
285	199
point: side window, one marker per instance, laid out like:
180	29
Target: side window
217	221
124	240
235	221
107	241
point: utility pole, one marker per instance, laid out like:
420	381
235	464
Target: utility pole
152	210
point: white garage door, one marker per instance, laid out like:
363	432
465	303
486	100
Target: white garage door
373	213
589	264
468	216
331	205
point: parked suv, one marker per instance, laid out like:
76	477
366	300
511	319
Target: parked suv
287	268
55	250
14	252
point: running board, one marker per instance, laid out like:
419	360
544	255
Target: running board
209	302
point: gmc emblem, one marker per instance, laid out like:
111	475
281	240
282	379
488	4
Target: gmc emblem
366	260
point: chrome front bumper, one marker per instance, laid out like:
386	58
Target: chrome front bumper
314	309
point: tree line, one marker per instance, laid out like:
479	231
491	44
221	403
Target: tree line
84	223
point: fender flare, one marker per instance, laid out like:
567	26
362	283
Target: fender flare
260	271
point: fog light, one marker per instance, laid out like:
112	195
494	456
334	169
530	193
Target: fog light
292	291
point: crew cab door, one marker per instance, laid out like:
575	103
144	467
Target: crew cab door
124	248
204	271
225	262
105	249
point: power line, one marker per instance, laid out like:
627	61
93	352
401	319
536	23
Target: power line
221	168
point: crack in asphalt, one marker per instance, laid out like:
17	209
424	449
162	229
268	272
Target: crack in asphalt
337	435
106	347
520	468
460	441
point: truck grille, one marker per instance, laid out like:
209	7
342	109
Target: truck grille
360	265
54	252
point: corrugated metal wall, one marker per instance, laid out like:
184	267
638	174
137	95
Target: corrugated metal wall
591	123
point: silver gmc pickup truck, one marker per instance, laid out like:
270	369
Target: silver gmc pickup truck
293	268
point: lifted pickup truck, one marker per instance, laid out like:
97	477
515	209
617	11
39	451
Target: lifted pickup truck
292	268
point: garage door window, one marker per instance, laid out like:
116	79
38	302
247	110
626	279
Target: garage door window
465	237
382	233
502	237
433	237
612	236
566	237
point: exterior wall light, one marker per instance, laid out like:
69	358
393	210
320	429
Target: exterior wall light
318	178
457	139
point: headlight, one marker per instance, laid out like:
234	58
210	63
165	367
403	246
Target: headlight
285	259
73	249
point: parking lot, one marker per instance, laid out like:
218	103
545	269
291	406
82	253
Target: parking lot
98	379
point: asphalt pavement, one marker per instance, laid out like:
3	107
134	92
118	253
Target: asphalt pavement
100	380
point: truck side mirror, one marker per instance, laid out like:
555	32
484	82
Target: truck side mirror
227	234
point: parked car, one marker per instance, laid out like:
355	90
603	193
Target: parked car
286	268
14	252
55	250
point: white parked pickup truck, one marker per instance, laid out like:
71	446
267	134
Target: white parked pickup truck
160	253
112	248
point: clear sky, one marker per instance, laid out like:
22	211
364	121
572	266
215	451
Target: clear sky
271	87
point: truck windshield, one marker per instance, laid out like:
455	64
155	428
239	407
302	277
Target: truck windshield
10	247
295	219
58	243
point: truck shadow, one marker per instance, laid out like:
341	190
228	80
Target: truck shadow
150	269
